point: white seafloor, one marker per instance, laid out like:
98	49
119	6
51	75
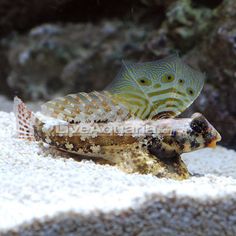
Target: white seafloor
43	192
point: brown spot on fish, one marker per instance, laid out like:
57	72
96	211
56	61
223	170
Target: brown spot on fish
155	147
181	142
170	141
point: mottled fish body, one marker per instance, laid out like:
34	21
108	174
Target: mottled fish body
144	146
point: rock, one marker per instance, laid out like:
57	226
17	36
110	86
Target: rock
188	24
54	60
155	3
216	55
22	15
4	70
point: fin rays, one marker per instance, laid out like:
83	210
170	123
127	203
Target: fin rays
172	85
162	88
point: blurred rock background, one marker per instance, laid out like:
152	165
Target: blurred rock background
51	48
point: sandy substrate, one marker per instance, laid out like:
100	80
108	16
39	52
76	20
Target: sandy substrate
45	193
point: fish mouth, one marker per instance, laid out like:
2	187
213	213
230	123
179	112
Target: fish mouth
216	139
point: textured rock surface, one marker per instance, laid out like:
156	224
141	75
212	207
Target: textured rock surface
20	15
45	193
54	59
23	15
216	55
187	24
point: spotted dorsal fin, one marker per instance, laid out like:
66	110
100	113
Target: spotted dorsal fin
86	107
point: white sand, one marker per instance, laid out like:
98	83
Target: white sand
47	194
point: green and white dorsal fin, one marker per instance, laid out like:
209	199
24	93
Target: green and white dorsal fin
130	91
86	107
157	89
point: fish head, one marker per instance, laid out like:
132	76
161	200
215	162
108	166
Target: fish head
195	133
184	135
203	132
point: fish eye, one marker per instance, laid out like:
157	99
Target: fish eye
190	91
167	78
144	81
199	125
181	81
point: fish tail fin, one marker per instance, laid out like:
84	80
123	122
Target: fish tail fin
24	120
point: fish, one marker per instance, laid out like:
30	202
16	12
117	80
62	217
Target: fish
132	123
134	146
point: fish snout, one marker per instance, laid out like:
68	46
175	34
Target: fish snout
215	137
